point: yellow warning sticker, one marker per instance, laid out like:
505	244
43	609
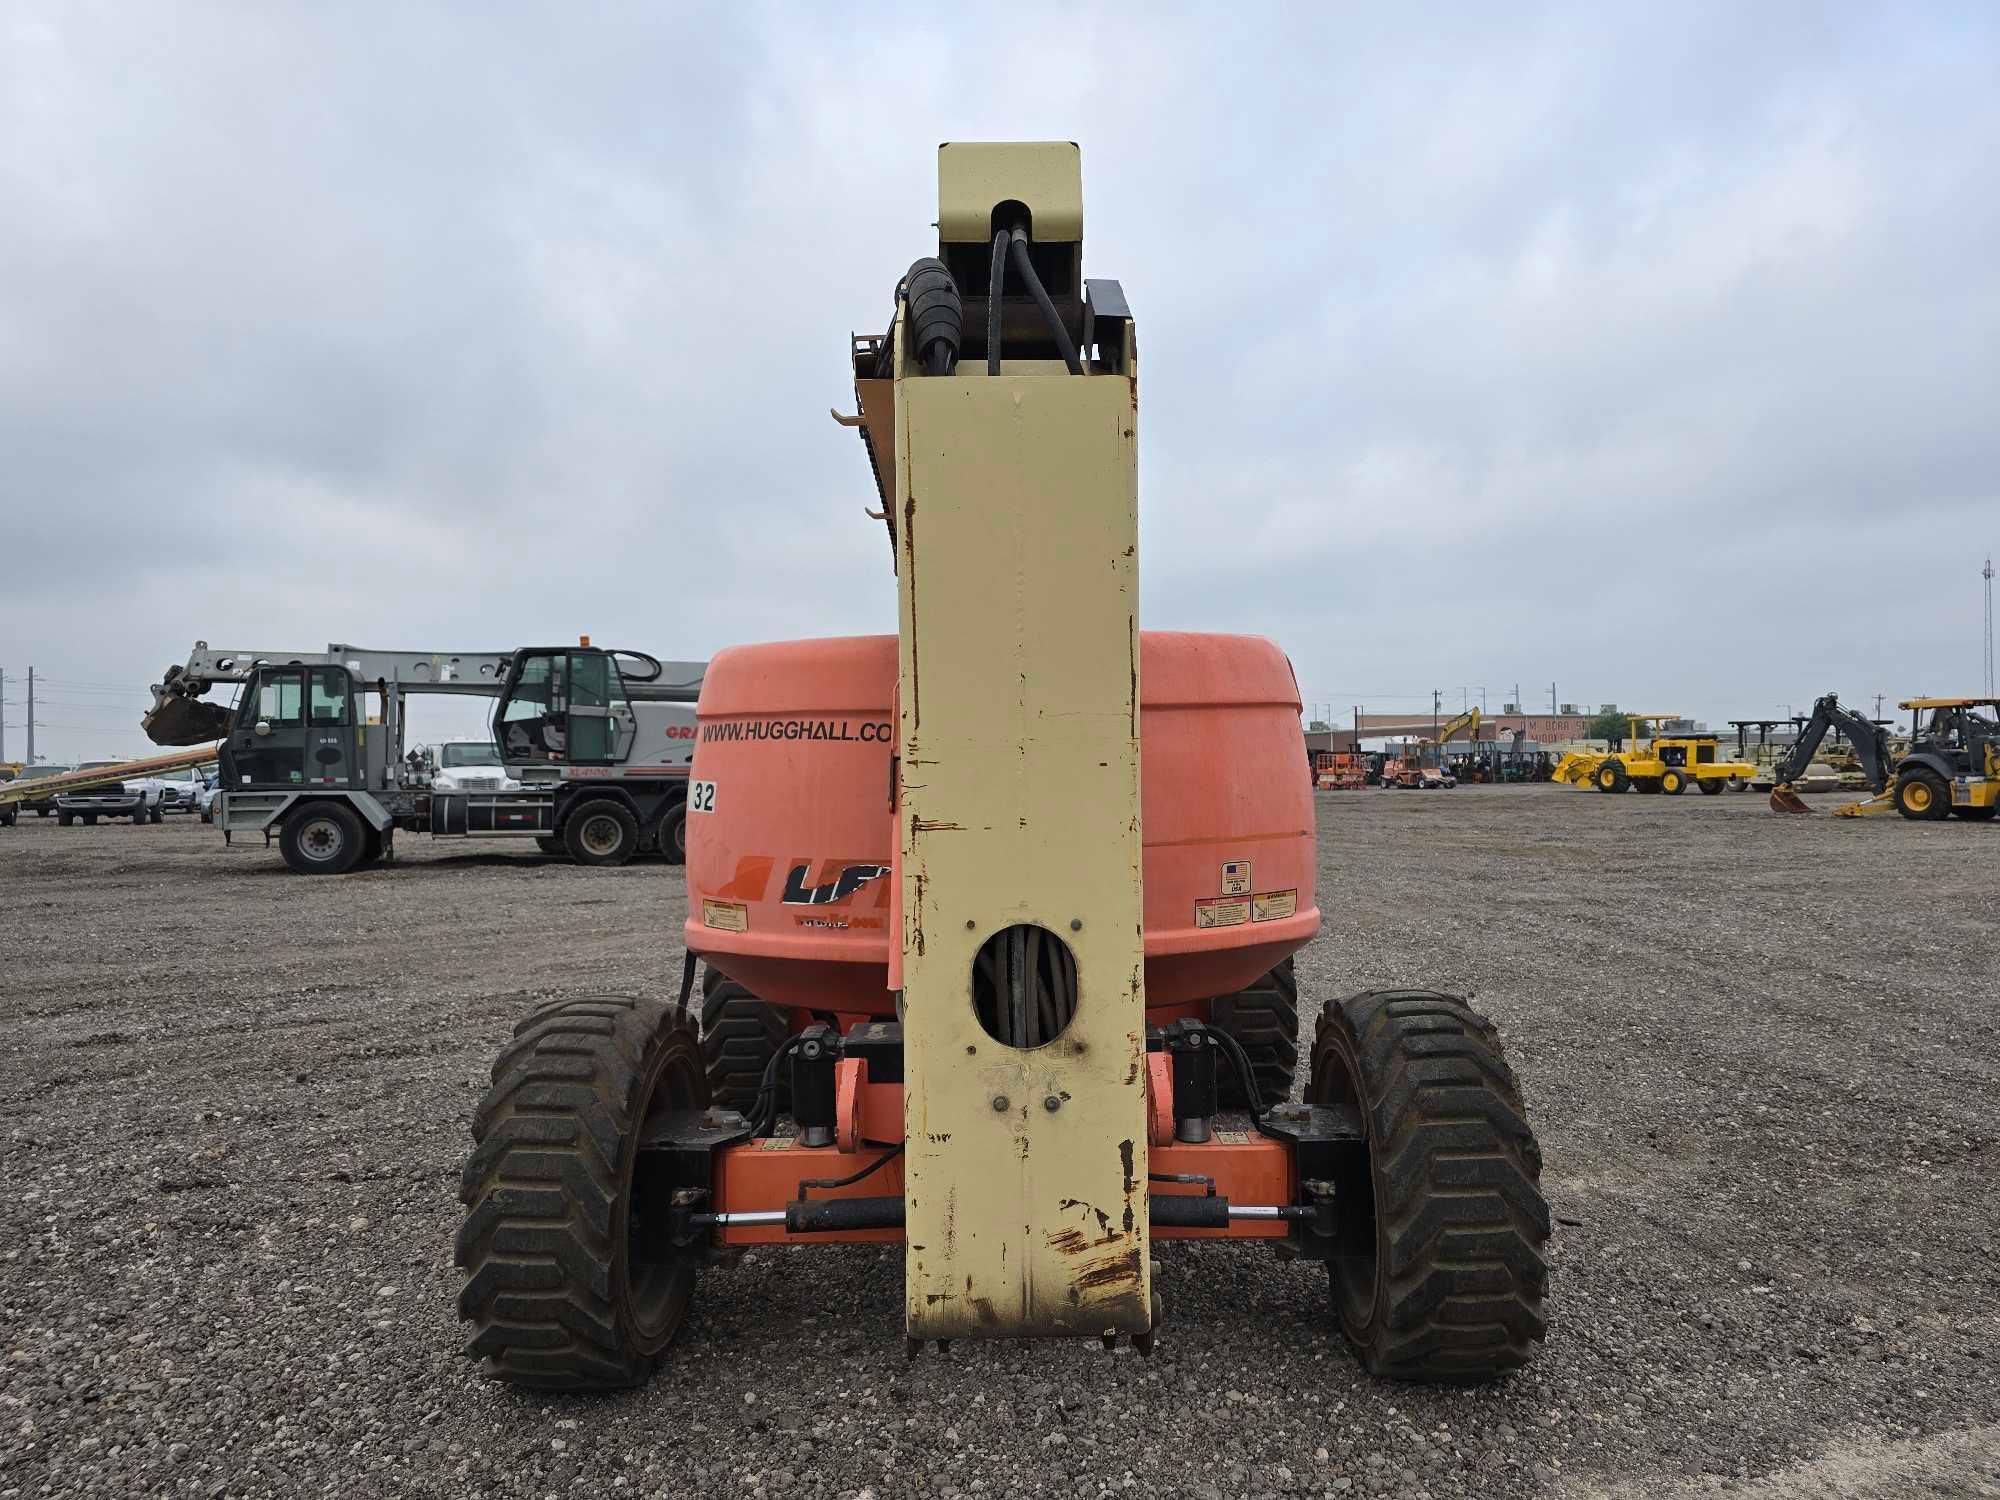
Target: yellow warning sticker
725	916
1272	906
1236	877
1221	911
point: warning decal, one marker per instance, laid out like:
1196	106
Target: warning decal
1272	906
1236	877
725	916
1221	911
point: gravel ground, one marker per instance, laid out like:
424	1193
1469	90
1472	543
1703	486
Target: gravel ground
1761	1055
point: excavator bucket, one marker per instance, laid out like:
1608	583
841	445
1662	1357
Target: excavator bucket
1785	800
179	720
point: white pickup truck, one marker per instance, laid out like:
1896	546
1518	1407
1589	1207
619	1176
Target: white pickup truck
143	799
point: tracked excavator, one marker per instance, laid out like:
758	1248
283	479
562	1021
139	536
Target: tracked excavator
990	874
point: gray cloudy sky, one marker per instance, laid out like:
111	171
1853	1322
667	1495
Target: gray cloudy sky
1649	349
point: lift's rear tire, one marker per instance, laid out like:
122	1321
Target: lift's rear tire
601	832
1610	777
1265	1019
740	1034
1438	1274
561	1287
671	836
1711	786
1672	782
322	838
1922	796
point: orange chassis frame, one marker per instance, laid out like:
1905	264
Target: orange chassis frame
763	1175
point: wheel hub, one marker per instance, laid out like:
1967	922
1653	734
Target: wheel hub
600	835
321	839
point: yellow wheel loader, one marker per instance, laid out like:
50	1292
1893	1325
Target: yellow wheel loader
1666	763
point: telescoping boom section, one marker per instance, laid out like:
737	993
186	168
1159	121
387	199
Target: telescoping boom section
1028	1012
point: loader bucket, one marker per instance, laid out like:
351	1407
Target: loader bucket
177	720
1785	800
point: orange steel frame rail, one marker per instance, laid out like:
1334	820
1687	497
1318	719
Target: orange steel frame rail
764	1175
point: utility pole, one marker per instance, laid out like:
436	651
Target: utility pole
31	716
1552	700
1437	701
1987	574
1878	705
3	713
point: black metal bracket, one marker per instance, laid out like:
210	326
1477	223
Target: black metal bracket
673	1175
1329	1143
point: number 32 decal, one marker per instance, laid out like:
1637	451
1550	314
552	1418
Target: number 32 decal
701	796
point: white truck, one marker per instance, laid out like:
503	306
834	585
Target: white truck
143	799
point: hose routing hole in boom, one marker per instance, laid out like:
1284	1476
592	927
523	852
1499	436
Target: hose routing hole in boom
1024	986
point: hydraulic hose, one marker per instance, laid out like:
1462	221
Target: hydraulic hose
996	288
1026	267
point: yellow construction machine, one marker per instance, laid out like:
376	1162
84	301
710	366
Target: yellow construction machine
1952	768
1667	763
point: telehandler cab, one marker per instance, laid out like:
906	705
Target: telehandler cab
993	878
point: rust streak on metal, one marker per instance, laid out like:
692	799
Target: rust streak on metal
1103	1219
983	1306
934	825
1069	1242
1114	1270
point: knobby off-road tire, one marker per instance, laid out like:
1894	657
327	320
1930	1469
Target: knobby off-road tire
1439	1274
1610	777
1923	797
558	1287
1265	1019
740	1034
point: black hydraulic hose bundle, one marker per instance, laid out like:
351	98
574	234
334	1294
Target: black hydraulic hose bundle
996	288
1064	343
1239	1063
764	1113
